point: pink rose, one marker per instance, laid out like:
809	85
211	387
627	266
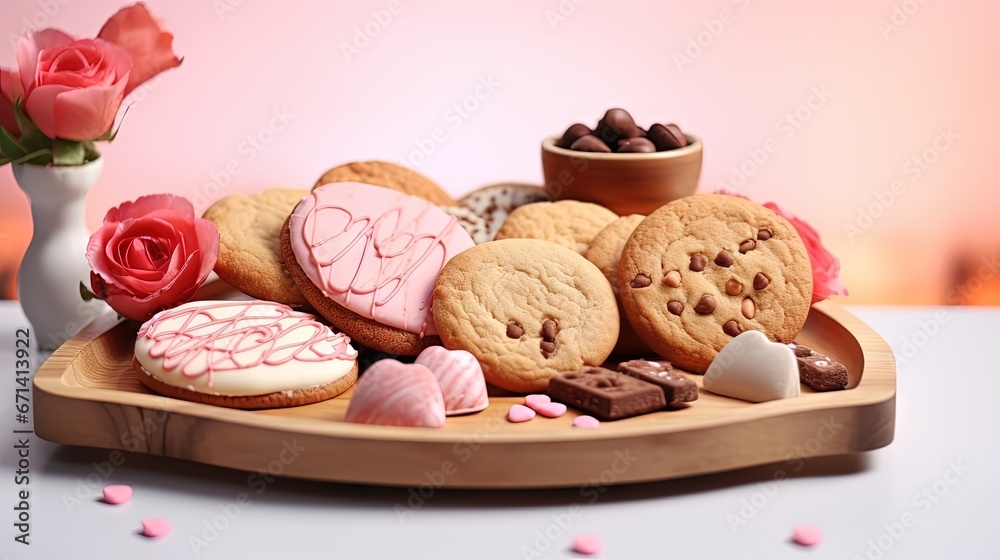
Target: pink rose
72	88
10	91
825	266
150	255
145	40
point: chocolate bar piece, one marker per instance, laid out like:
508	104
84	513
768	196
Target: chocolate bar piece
606	394
676	387
818	371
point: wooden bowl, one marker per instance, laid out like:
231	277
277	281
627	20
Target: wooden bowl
624	183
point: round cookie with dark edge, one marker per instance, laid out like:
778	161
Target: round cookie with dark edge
390	176
249	250
605	252
280	399
493	203
363	330
528	309
570	223
702	269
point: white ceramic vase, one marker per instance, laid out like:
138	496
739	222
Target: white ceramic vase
48	281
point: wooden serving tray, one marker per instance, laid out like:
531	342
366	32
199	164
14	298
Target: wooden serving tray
87	394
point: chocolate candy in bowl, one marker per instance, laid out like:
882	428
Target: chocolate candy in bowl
620	166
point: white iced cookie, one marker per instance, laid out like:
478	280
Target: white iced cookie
754	369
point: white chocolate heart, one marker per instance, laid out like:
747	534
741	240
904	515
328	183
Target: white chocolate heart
460	376
754	369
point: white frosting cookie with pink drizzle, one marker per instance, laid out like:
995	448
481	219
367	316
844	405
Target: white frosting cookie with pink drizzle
375	251
243	348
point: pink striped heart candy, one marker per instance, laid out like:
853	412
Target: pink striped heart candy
460	376
391	393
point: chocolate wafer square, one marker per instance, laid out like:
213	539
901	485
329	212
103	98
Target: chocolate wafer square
607	394
676	387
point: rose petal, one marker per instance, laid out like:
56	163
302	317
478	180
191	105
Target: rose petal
145	205
28	48
140	34
10	91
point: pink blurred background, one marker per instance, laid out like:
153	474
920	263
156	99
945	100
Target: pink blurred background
858	97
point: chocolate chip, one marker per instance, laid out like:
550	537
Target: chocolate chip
760	281
549	330
732	328
635	146
641	281
672	279
725	259
706	305
547	348
514	330
748	308
698	262
590	143
734	287
572	134
748	245
764	234
675	307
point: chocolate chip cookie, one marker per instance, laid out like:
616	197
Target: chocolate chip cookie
249	248
705	268
527	309
605	252
569	223
390	176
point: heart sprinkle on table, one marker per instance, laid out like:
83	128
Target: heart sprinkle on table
587	422
520	413
807	535
587	545
155	527
117	494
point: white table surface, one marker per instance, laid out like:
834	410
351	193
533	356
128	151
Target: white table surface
941	476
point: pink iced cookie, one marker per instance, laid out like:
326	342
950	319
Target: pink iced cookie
117	494
587	545
391	393
520	413
807	535
375	251
155	527
460	376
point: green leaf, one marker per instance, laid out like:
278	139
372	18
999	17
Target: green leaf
68	152
38	157
10	147
90	151
32	138
86	294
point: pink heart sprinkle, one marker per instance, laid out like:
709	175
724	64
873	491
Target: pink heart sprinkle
520	413
588	545
155	527
117	494
551	410
807	535
536	401
586	422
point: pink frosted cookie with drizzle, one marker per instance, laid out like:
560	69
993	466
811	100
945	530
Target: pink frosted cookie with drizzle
366	258
243	354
